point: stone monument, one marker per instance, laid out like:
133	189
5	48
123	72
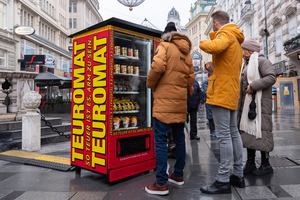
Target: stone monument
31	122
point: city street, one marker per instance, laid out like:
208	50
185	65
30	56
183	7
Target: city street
25	182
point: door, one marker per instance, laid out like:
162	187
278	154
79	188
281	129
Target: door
286	94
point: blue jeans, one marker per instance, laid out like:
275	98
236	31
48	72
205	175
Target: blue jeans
161	150
231	147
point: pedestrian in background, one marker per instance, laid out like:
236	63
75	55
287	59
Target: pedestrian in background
257	78
194	101
223	96
209	115
171	73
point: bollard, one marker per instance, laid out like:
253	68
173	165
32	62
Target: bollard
31	122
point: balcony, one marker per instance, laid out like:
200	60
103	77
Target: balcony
247	11
292	45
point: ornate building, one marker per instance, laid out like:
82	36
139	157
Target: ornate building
196	26
173	16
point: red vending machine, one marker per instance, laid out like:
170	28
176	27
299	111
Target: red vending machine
111	105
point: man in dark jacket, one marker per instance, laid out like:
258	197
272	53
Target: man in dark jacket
194	101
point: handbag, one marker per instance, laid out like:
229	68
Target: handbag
252	111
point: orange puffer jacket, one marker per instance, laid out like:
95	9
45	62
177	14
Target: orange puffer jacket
224	84
171	74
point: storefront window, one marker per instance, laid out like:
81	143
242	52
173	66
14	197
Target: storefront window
51	58
27	48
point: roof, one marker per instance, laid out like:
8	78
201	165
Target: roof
122	24
47	78
173	14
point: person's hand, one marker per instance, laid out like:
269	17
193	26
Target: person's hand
201	104
209	67
249	90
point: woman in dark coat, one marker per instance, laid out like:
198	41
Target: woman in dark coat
209	115
262	86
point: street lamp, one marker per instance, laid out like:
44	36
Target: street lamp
131	3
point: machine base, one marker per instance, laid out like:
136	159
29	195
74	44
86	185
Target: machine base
123	172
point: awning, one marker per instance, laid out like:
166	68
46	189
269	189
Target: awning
50	79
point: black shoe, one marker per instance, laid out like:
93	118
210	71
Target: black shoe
195	137
249	168
263	170
237	182
217	188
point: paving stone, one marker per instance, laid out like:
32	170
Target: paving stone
37	195
293	190
255	192
89	196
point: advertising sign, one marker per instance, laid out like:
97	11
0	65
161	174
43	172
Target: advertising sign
34	59
90	103
24	30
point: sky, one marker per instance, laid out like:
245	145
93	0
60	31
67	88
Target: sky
156	11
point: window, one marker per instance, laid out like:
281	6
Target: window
46	7
49	9
54	37
70	22
51	37
74	7
278	41
42	30
46	29
31	21
52	11
25	14
28	20
277	2
48	33
265	47
251	30
70	7
21	17
40	2
43	5
2	59
74	23
292	28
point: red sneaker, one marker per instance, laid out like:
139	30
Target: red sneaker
177	181
156	189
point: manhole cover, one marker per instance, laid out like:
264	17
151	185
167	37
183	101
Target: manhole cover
281	162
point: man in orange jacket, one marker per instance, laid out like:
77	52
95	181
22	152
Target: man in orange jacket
223	96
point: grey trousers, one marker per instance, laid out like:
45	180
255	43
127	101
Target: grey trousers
231	147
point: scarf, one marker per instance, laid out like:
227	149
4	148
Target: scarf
252	127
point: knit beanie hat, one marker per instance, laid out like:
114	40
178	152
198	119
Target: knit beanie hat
251	44
170	27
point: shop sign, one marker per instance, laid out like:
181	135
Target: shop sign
279	67
34	59
197	57
24	30
91	101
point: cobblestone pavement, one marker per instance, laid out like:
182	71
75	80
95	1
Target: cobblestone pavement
24	182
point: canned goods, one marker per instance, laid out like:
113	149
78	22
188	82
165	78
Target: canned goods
117	50
129	69
130	52
117	68
124	69
136	71
124	51
136	53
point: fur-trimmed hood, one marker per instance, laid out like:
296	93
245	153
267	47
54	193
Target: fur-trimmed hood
182	41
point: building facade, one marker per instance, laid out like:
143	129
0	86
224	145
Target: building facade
196	26
283	25
173	16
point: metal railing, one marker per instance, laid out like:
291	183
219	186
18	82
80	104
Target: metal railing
292	46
